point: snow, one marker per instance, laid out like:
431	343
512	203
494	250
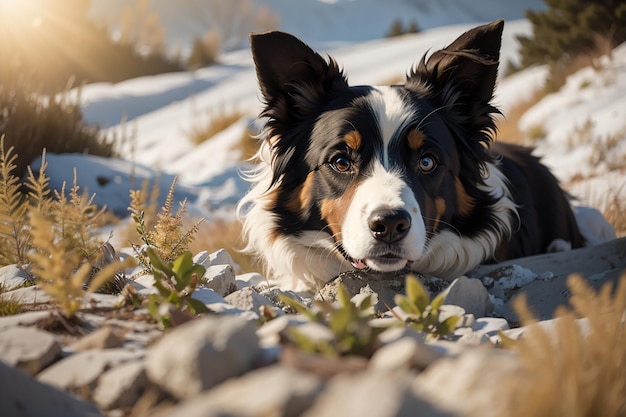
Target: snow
155	114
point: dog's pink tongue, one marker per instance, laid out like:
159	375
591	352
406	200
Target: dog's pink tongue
359	265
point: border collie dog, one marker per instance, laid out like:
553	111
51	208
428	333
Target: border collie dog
386	178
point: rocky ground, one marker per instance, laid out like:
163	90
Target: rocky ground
238	360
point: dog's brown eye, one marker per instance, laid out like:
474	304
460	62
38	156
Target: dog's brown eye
341	163
426	163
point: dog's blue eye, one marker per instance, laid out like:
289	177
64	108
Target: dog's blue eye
341	163
426	163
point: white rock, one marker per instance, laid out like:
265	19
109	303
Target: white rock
25	396
315	332
407	352
448	310
470	294
221	279
202	353
103	338
270	391
371	394
485	368
81	370
28	348
250	279
29	296
121	386
490	326
207	296
146	281
12	277
24	319
271	332
473	338
219	257
248	299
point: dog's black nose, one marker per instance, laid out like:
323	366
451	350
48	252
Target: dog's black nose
389	225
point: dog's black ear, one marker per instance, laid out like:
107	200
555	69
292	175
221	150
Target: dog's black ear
290	73
469	64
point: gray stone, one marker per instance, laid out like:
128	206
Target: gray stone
220	278
12	277
121	386
271	391
448	380
601	264
202	353
103	338
490	326
28	348
248	299
28	296
448	310
271	333
407	352
219	257
80	371
23	396
471	337
385	286
470	294
249	279
371	394
29	318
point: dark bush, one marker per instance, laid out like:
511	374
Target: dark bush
31	122
571	32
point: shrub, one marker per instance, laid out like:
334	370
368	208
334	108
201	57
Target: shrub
205	50
569	29
31	123
397	28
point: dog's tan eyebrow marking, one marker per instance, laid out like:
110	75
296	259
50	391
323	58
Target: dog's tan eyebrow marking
415	139
353	139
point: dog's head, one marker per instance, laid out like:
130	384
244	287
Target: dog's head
369	177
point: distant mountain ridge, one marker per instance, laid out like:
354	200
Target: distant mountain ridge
324	21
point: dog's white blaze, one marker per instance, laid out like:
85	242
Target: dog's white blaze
449	255
392	114
382	189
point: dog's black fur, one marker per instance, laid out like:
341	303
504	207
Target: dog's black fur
470	200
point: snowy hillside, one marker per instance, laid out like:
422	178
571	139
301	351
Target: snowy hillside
584	124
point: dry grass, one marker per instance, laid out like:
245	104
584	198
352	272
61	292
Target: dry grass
399	79
215	122
508	126
248	144
568	371
615	212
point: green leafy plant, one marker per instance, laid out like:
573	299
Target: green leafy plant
175	283
350	325
422	313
